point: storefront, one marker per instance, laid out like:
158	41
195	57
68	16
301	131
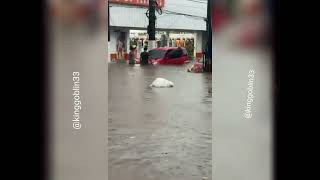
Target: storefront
128	26
192	41
139	39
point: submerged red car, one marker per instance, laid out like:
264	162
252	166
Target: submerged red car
168	55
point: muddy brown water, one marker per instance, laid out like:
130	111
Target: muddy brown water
159	133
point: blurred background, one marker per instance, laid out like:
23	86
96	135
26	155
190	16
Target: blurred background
242	41
242	148
73	13
77	37
248	20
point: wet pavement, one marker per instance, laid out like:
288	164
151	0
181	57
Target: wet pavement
159	133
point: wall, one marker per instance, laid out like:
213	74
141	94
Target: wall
199	42
114	34
113	41
133	16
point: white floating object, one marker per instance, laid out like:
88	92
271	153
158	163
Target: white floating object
160	82
132	137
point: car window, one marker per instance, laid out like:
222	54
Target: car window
177	53
169	52
157	54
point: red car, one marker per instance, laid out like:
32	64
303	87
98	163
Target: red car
168	55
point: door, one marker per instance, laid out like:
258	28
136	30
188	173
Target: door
177	56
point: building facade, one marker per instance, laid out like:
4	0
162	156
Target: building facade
180	20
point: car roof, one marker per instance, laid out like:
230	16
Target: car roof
166	48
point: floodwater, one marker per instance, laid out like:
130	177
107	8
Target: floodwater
159	133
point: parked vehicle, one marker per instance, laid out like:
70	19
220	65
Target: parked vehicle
168	55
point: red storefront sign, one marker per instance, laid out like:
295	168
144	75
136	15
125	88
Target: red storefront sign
143	3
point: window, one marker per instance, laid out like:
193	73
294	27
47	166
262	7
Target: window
157	54
177	53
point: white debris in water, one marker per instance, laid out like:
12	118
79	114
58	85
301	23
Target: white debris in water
132	137
161	82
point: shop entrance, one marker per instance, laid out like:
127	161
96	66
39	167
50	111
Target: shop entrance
139	40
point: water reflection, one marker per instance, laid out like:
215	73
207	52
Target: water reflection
171	126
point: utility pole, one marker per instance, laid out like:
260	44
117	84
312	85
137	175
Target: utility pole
108	21
208	53
152	25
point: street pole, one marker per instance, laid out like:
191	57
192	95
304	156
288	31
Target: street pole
108	51
168	38
108	22
208	53
152	25
210	35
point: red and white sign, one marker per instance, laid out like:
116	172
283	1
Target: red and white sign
144	3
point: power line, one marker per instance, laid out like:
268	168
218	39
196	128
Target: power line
183	14
175	5
198	1
171	12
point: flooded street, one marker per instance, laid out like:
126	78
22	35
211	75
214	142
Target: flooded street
159	133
